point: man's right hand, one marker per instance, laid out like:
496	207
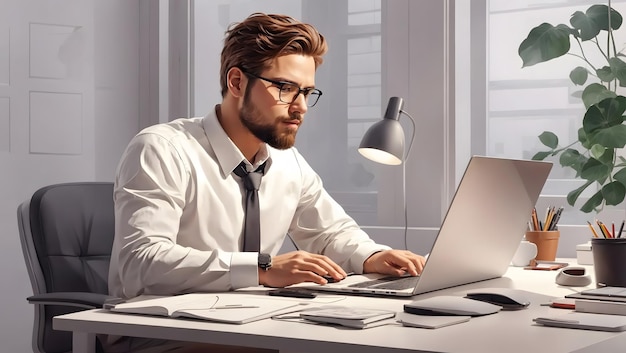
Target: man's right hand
300	266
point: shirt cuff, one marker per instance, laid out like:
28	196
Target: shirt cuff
244	269
363	253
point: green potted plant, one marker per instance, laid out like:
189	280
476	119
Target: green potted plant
594	155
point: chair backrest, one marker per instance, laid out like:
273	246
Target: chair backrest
66	231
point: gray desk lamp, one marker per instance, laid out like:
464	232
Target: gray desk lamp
383	143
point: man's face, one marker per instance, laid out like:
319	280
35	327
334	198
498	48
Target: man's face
270	120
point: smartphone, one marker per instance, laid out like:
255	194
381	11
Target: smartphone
294	293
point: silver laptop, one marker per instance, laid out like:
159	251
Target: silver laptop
479	235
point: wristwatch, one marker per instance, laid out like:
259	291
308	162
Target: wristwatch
265	261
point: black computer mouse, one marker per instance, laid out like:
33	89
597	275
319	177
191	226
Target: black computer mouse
507	298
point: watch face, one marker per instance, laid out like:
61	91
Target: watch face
265	261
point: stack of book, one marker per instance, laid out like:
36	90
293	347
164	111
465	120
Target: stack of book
604	300
601	309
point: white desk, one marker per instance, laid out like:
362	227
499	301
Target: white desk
507	331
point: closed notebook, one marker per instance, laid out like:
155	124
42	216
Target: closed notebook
349	316
600	307
585	321
223	307
612	294
429	321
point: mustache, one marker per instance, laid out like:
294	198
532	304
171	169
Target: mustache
294	116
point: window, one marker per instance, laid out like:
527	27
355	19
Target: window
370	59
522	103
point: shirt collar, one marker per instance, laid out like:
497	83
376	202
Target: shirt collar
226	152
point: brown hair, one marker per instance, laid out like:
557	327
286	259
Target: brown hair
252	44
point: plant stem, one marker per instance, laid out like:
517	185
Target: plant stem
583	56
610	39
597	43
606	57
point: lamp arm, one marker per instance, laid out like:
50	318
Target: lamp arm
408	150
404	203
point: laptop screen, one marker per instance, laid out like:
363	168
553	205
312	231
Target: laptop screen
485	222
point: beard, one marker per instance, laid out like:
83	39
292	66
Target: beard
270	133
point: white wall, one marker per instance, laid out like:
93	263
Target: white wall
69	103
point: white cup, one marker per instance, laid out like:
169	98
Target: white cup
526	251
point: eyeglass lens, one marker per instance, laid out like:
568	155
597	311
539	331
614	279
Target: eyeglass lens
289	93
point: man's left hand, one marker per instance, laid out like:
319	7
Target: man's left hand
394	262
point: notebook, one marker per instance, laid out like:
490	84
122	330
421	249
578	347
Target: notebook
479	235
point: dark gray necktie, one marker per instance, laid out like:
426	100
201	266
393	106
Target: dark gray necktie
252	228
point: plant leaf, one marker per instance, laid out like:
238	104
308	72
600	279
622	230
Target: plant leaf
607	157
614	193
602	123
598	14
573	159
593	202
573	195
618	67
587	27
544	42
579	75
595	93
597	151
604	114
594	170
549	139
620	176
583	139
605	74
611	137
540	156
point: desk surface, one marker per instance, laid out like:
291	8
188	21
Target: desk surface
510	331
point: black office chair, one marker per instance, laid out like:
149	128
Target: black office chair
66	231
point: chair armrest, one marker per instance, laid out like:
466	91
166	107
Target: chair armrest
75	299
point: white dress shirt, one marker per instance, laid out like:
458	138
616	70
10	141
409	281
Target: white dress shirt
179	213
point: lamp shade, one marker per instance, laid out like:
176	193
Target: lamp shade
383	142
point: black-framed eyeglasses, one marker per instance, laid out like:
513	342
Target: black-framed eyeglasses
288	91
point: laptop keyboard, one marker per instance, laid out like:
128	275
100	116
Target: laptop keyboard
388	283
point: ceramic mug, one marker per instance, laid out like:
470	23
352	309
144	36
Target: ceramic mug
526	251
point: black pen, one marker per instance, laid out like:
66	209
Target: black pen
555	219
621	228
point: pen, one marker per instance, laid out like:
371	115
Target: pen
235	306
556	219
621	228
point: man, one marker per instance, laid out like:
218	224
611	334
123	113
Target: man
179	196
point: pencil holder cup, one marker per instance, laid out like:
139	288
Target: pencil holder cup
609	261
547	243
